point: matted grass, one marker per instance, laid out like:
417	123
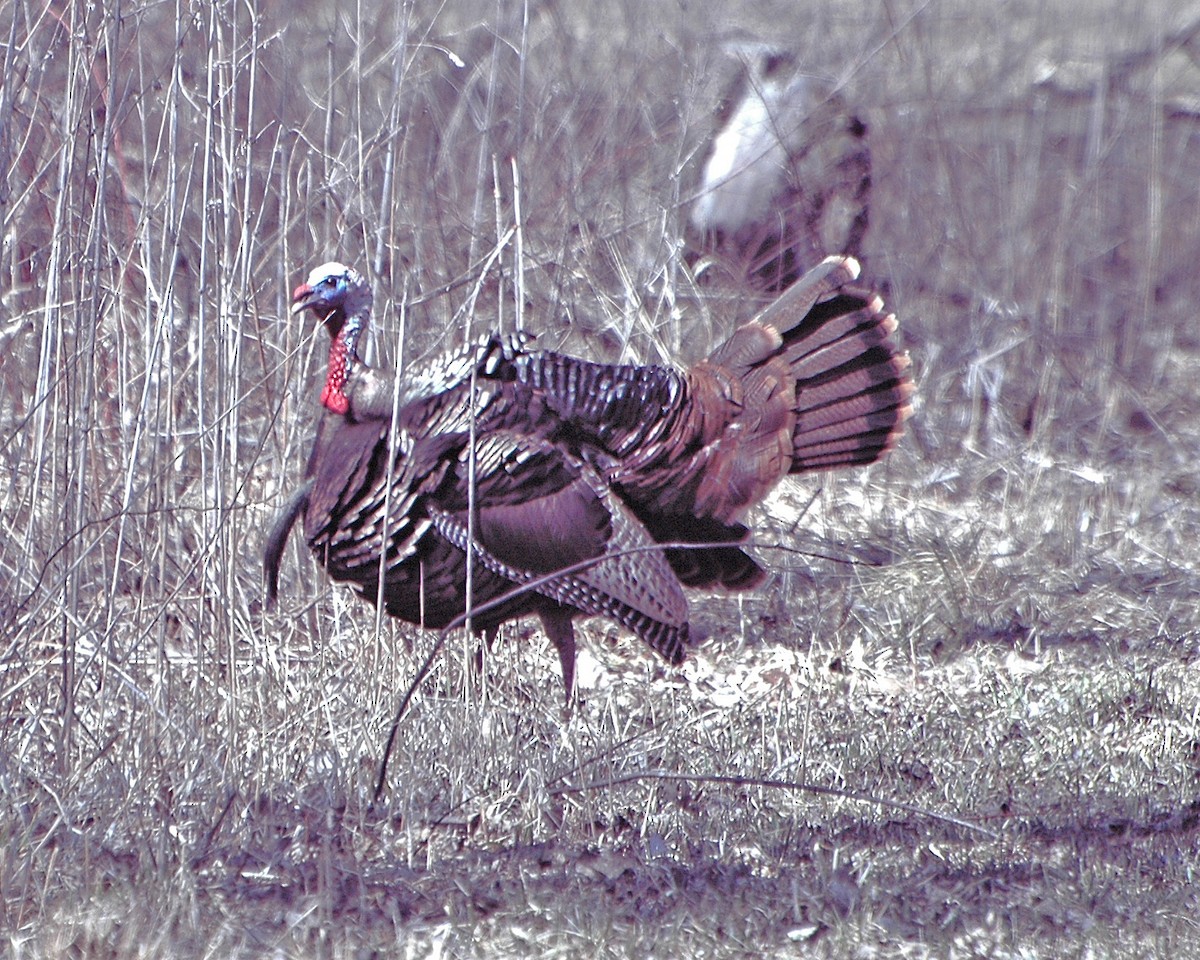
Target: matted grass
986	646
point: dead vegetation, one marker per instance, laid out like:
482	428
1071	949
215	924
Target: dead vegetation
997	626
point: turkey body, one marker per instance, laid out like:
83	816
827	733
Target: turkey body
513	481
786	176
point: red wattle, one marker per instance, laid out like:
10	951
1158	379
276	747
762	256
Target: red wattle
332	397
334	400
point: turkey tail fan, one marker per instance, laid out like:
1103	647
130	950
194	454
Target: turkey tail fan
853	389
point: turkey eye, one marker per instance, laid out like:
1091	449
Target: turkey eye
327	282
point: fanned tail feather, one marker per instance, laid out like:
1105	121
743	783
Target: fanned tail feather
852	384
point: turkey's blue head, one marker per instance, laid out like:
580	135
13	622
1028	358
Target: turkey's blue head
342	299
335	293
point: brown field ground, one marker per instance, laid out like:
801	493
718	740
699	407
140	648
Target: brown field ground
961	720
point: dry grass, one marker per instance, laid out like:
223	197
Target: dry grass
996	625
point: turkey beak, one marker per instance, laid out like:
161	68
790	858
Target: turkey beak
303	297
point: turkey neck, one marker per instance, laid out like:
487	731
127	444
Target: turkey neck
343	355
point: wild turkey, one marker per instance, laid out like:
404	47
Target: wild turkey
787	176
580	469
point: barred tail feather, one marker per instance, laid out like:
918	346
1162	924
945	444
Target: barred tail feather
852	418
795	305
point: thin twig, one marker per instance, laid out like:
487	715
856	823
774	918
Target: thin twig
773	784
